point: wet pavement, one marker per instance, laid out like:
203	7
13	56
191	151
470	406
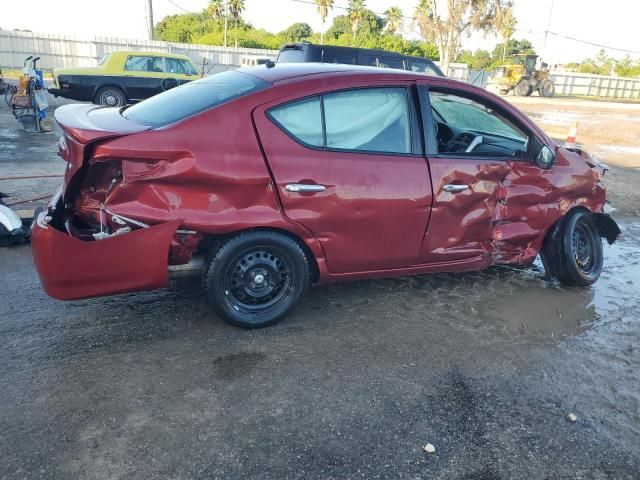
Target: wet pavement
485	366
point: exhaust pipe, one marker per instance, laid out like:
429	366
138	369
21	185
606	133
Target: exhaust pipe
191	269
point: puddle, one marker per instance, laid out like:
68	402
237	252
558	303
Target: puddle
544	311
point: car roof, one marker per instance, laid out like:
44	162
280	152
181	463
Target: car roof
288	71
150	53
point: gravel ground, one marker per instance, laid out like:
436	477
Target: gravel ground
485	366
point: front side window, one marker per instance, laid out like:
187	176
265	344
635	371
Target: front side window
367	119
468	126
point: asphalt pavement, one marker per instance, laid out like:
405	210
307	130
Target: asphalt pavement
487	367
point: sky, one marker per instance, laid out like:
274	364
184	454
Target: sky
613	23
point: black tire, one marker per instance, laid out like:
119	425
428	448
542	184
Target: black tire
168	83
256	278
580	258
111	97
5	239
547	89
523	89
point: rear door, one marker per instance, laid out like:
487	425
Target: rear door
143	76
348	166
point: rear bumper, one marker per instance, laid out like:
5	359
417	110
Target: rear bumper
70	269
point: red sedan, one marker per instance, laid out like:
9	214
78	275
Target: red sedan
268	179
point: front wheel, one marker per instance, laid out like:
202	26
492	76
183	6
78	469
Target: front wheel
579	257
256	278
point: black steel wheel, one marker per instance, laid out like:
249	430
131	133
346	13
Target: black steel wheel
580	257
110	97
256	278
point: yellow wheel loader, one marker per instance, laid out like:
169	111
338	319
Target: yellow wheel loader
522	78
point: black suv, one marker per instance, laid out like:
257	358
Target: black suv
309	52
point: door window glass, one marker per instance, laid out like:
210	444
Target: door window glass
176	66
138	63
372	119
302	120
466	126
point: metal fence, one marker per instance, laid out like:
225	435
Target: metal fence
61	51
584	84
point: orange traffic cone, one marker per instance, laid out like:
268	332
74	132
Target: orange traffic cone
571	136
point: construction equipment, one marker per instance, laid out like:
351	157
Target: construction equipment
522	78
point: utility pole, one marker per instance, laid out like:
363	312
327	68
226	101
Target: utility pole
150	18
546	32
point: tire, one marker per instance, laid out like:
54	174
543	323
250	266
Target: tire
5	239
46	125
523	89
580	257
256	278
168	83
547	89
110	97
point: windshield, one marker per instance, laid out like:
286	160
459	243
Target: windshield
192	98
103	58
291	55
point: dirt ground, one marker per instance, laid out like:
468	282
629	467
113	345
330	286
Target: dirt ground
485	366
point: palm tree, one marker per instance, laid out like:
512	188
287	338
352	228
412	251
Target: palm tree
323	9
505	23
393	20
236	7
356	13
216	9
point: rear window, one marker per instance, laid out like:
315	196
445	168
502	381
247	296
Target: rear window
192	98
291	55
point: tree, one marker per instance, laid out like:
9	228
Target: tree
296	32
393	20
513	51
216	9
356	12
505	24
323	9
444	27
235	7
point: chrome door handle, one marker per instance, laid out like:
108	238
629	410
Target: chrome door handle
305	187
454	188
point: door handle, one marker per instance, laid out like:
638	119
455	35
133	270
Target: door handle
305	187
455	188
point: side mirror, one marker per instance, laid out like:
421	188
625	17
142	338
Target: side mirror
545	158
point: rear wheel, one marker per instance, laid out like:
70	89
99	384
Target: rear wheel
523	89
110	97
580	258
256	278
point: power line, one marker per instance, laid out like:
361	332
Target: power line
342	7
594	44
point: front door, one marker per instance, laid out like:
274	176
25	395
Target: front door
348	167
472	153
